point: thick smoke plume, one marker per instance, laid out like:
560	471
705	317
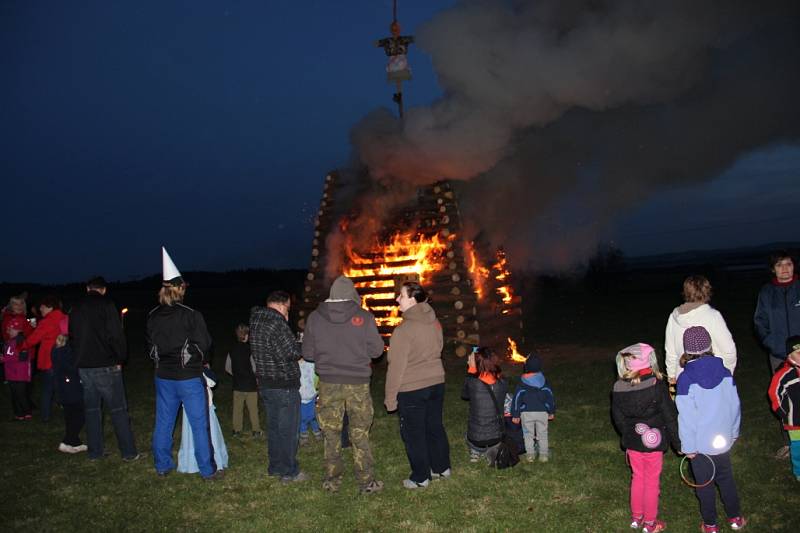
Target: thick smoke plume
560	114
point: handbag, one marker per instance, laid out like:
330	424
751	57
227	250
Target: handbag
505	453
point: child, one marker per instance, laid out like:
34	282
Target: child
484	429
308	402
245	387
784	395
17	366
534	406
187	463
708	422
647	422
69	392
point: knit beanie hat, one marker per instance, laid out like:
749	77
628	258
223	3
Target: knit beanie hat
343	289
792	344
532	364
696	341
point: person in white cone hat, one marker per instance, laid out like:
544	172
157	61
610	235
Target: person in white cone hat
178	342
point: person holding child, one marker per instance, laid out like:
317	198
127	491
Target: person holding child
646	420
709	415
534	407
485	390
245	387
784	395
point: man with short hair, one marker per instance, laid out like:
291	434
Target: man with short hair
98	342
276	353
341	339
777	314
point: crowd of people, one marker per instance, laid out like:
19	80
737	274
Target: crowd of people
316	384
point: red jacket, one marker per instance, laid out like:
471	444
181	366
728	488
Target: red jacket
18	322
46	332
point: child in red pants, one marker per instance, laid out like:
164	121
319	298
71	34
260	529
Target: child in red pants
647	421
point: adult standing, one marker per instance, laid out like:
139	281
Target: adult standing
777	315
696	311
415	387
341	339
99	347
44	335
178	341
17	372
276	353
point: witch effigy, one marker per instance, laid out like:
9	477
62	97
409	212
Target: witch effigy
397	69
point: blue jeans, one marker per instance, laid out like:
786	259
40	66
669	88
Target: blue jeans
308	417
283	426
48	391
104	385
421	427
170	394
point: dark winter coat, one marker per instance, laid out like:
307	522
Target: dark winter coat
244	380
341	339
648	403
274	348
68	382
177	339
484	423
784	395
777	315
95	332
533	395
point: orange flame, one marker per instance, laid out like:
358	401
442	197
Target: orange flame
501	266
404	254
477	272
513	354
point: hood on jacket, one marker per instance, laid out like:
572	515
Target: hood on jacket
707	371
637	350
421	312
343	289
685	315
533	380
338	312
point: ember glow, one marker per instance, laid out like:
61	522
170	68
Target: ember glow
372	271
513	354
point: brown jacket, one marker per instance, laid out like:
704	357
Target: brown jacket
415	354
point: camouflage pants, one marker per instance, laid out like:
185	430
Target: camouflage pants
334	400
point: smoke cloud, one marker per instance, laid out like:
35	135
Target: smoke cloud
558	115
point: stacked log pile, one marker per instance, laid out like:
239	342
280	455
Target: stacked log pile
467	319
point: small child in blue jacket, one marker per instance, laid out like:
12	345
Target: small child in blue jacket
534	406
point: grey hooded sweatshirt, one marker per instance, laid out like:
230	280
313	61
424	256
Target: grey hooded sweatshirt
341	338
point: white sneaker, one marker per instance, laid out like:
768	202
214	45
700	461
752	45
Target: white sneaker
81	448
407	483
443	475
66	448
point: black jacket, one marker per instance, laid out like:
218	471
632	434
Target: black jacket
242	369
484	424
95	332
274	349
647	403
68	382
178	341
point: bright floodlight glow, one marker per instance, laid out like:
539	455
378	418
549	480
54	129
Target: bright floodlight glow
125	311
719	442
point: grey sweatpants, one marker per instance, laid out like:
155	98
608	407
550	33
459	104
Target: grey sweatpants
534	428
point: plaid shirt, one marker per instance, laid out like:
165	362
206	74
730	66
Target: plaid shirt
274	349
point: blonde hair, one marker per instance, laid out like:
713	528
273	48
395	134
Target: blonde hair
634	376
697	289
170	294
242	332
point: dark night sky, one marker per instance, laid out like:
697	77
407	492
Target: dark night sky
208	126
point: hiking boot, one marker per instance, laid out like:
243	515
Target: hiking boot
442	475
705	528
216	476
372	487
654	527
636	522
409	484
300	476
332	484
782	453
737	523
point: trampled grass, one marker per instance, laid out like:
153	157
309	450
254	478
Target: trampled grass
584	487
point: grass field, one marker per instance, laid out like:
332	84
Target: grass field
584	487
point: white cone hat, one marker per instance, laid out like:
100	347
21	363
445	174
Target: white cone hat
170	273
